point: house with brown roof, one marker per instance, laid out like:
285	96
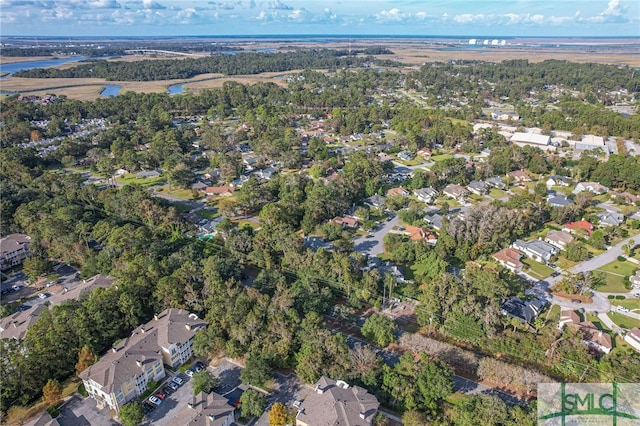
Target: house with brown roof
519	176
345	221
15	326
591	336
416	233
124	372
424	153
221	191
510	259
398	191
633	338
14	249
205	409
559	239
336	403
456	192
579	227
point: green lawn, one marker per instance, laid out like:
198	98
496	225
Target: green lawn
450	201
565	263
624	321
496	193
537	269
207	214
185	194
596	321
615	279
631	303
131	179
476	197
181	207
441	157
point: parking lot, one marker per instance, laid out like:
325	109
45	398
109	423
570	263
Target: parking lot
80	411
164	413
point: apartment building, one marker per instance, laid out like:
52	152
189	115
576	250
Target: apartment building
124	372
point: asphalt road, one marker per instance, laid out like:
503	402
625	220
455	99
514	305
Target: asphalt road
372	244
608	256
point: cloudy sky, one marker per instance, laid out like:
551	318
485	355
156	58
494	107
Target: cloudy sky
472	18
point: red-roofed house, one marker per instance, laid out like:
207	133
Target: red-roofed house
579	227
345	221
416	233
519	176
398	191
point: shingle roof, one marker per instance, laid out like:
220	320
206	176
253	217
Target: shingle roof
204	409
15	326
337	403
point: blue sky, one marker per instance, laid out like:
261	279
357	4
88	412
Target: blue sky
469	18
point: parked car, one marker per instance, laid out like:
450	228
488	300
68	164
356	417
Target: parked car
167	390
622	308
178	380
16	287
173	385
43	295
148	407
189	372
24	307
200	365
5	291
160	395
155	400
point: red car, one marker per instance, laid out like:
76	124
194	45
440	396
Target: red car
160	395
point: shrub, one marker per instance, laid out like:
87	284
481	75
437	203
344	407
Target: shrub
621	258
81	390
620	297
611	297
53	411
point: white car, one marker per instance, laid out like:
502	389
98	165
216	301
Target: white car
43	295
622	308
155	400
189	372
178	380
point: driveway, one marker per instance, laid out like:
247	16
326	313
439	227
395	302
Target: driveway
373	244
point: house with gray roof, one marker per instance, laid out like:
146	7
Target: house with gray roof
496	182
608	218
14	249
375	201
147	174
15	326
124	372
594	187
205	409
559	239
336	403
557	180
434	221
559	201
478	187
537	250
525	311
426	195
456	192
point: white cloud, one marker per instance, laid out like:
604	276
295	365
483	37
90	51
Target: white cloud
392	15
279	5
468	18
614	13
152	5
299	15
104	4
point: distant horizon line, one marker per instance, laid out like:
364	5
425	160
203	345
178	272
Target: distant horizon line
263	36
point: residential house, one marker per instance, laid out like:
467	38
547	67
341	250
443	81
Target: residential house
148	174
199	186
559	201
519	176
594	187
579	227
221	191
504	116
557	180
14	249
537	250
124	372
383	157
496	182
251	162
559	239
82	290
398	191
266	173
205	409
478	187
434	221
375	201
526	311
510	259
456	192
608	218
424	153
531	139
591	336
626	197
405	156
336	403
632	337
635	279
416	233
345	222
15	326
426	195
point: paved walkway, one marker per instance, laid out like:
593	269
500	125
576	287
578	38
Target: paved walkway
602	316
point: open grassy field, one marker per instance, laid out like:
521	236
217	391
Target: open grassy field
633	304
615	276
131	179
